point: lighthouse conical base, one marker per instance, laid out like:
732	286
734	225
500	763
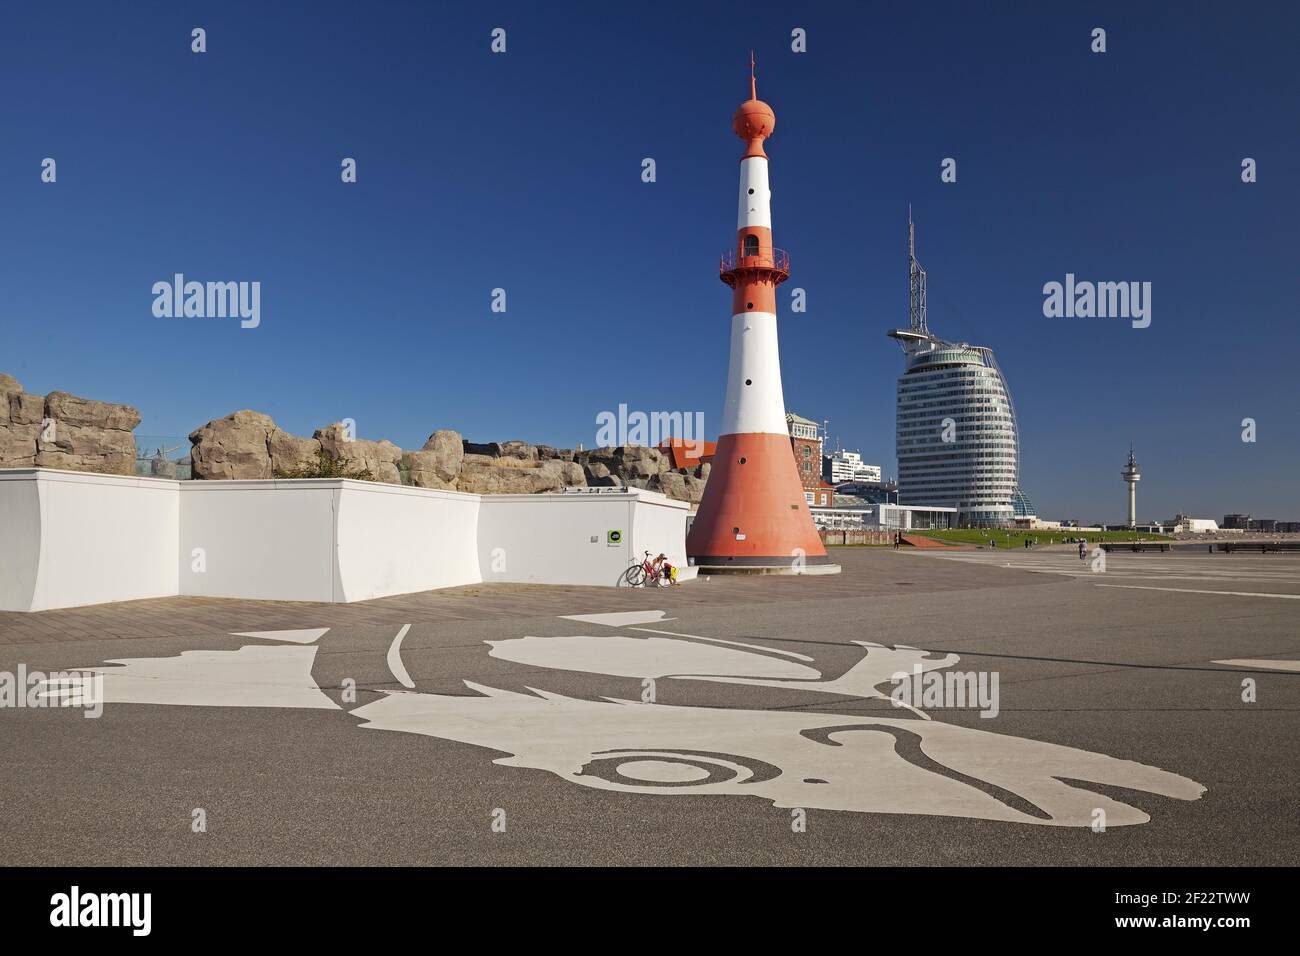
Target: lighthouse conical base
754	518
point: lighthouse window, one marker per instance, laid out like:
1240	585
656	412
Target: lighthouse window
751	192
751	246
749	381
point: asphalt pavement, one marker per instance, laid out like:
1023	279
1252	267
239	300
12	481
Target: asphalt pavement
1144	713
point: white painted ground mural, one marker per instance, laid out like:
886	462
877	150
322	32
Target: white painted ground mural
902	763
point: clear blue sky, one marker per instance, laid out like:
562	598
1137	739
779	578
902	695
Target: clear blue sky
522	171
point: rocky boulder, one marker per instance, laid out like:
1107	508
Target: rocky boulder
694	489
634	465
671	484
379	458
438	463
84	435
20	424
70	409
18	444
233	447
490	449
27	409
640	462
249	444
483	475
291	454
519	449
571	473
64	431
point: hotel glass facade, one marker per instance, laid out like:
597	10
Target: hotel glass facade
956	433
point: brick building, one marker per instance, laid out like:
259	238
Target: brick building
806	443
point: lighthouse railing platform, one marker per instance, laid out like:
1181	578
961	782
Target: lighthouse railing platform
777	262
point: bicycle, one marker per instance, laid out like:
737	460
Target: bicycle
643	574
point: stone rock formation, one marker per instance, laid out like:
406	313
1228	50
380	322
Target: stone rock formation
380	458
291	454
63	431
546	452
249	444
59	430
484	475
438	463
233	447
633	465
680	484
17	434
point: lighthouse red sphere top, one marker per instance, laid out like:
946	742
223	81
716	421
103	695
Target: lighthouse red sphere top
754	120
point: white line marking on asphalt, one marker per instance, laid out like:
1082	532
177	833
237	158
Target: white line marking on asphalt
305	636
620	618
1264	665
622	656
718	640
253	676
1263	594
395	659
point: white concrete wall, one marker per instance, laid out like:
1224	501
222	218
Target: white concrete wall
20	539
97	538
68	539
397	540
267	540
554	539
564	538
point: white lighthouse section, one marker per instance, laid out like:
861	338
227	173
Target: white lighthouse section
756	206
760	405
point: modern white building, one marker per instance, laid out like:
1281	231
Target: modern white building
1182	524
956	431
845	466
886	517
957	440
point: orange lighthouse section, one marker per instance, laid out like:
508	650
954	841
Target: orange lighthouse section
753	517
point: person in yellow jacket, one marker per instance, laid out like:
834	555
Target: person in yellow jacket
668	571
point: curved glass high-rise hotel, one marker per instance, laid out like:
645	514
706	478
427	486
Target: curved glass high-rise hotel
957	440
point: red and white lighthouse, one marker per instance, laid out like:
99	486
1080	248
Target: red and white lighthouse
753	516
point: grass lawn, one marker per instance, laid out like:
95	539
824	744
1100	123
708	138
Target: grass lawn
1017	538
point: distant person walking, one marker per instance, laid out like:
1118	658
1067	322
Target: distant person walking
898	540
1083	549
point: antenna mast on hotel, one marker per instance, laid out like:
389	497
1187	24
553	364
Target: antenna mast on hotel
916	281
